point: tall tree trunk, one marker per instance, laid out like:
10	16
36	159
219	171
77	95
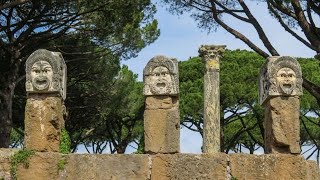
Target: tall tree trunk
8	80
6	118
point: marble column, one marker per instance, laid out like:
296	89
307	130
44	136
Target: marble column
211	127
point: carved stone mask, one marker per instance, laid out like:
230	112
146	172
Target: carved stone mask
41	75
286	80
161	77
161	80
46	72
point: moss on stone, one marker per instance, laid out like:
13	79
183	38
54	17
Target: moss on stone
65	142
61	164
21	157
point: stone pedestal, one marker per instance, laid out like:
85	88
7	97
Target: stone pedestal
46	85
279	91
211	125
43	122
162	125
161	115
282	128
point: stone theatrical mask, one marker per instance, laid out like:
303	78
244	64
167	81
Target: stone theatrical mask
286	80
280	76
161	77
41	75
46	73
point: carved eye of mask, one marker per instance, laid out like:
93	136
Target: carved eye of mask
286	79
41	75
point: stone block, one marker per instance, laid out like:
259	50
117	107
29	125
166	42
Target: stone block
106	167
5	165
161	102
162	130
282	125
43	122
272	166
218	166
41	166
189	166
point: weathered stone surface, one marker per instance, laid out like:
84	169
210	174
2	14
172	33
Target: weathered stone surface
162	130
46	73
189	166
43	122
5	156
44	165
161	77
280	76
211	126
282	125
41	166
106	167
272	166
161	102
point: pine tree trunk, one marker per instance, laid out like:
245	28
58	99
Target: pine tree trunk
5	118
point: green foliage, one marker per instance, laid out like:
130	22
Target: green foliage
65	142
140	149
21	157
16	138
122	117
191	88
310	70
234	178
61	164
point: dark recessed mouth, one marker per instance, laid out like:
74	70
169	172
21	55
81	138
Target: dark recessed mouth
288	86
161	85
42	82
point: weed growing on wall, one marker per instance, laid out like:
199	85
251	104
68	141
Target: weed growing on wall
65	142
61	164
21	157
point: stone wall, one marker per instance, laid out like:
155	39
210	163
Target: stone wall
220	166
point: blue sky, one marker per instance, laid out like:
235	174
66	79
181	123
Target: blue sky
180	38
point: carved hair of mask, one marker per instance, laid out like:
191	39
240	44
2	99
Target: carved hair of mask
286	80
161	77
46	73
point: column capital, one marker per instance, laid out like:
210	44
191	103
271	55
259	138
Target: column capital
209	52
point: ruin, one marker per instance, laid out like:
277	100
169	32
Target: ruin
46	88
161	116
280	88
279	91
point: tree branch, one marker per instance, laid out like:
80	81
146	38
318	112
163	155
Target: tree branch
236	33
283	24
259	29
12	4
